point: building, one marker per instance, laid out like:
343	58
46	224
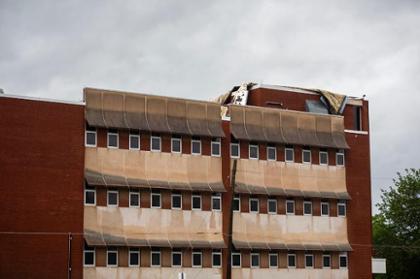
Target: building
268	182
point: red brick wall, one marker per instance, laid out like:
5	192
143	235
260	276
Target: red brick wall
41	181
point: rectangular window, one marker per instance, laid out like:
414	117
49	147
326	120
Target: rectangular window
176	201
176	144
273	260
234	150
289	154
134	141
112	198
291	260
255	260
156	199
112	257
323	157
133	257
341	209
216	202
89	256
155	255
309	261
271	153
236	259
196	147
357	112
254	205
134	199
176	259
253	151
272	206
290	207
307	208
112	139
306	156
90	136
325	209
155	143
90	196
215	147
326	261
339	157
343	260
197	259
216	259
196	202
237	203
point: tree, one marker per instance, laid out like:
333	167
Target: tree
396	229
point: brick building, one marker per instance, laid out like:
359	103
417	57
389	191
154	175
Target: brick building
268	182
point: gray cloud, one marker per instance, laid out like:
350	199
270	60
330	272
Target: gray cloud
199	49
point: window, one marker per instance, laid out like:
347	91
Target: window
112	257
234	150
253	151
290	207
176	144
307	208
196	202
357	112
289	154
90	196
155	199
155	255
341	209
323	157
196	147
309	261
90	136
216	258
196	259
343	260
236	259
325	209
176	259
237	203
273	260
216	201
176	201
306	156
339	157
133	257
112	198
215	147
271	153
134	199
326	261
134	141
112	139
89	256
291	260
255	260
155	143
272	206
254	205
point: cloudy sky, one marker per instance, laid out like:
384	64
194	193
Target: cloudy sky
200	49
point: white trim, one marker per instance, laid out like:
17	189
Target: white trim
201	259
129	141
283	88
112	134
328	206
249	151
294	208
344	255
285	154
219	197
307	214
94	192
192	202
107	198
275	153
172	258
313	263
288	264
258	203
250	260
269	260
237	198
48	100
326	256
172	145
217	142
96	138
151	200
151	143
240	260
160	258
129	255
345	209
192	143
239	150
212	259
268	206
172	201
320	153
94	257
356	132
303	156
107	258
129	199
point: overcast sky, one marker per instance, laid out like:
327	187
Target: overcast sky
200	49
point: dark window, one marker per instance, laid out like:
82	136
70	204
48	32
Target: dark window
255	260
290	207
357	112
325	209
289	154
273	260
291	260
326	260
196	147
112	197
253	151
134	199
254	205
234	150
215	147
90	136
196	259
155	258
323	158
90	196
156	199
134	141
155	143
306	155
343	261
176	258
271	153
341	209
236	259
340	158
196	202
112	257
176	144
216	201
307	208
217	259
89	256
176	201
236	203
309	260
113	138
134	257
272	206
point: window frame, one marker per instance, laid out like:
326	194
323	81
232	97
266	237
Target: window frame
213	253
94	131
306	150
343	255
113	134
323	263
151	143
269	260
132	251
249	151
91	250
239	150
288	260
107	198
292	149
250	260
160	258
337	154
237	198
216	196
328	207
132	135
218	142
310	203
294	207
192	201
94	197
129	199
192	259
108	251
192	148
313	263
268	206
275	153
172	258
344	204
320	156
172	201
258	205
151	199
240	259
174	138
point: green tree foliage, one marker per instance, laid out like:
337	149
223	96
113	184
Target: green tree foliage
396	229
